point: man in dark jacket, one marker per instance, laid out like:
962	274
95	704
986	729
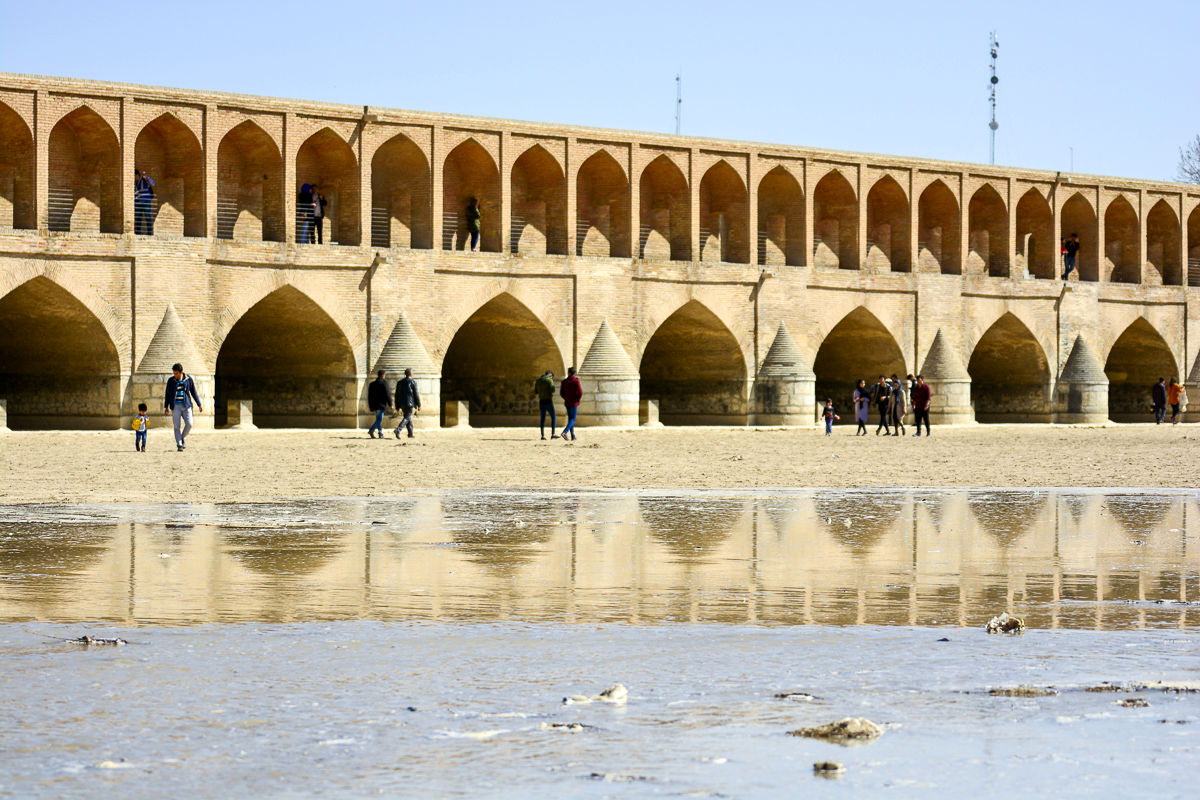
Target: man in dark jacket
543	387
408	400
379	400
571	392
881	393
181	390
1158	396
922	396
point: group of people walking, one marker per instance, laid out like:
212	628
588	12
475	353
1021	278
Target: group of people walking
407	402
893	398
1164	394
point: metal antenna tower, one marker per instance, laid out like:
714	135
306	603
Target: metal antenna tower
678	101
994	44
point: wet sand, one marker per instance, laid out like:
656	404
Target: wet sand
70	466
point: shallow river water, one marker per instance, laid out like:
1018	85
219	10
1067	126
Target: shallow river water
423	647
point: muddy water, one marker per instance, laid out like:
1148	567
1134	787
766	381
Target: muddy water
421	647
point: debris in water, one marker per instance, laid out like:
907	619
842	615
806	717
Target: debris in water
852	730
1005	624
801	696
568	727
1133	702
93	641
1023	691
829	769
1105	687
614	694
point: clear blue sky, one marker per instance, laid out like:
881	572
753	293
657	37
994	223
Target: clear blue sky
1115	81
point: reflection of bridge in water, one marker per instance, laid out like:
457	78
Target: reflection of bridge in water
907	558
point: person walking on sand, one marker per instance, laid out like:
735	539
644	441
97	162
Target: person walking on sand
922	396
881	394
899	406
862	406
474	220
379	400
830	416
543	387
1174	393
408	400
181	390
571	391
1158	400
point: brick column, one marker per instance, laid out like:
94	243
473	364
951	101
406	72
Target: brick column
365	153
752	205
1011	244
1101	249
211	148
914	221
861	190
41	158
1143	229
809	226
693	206
1056	204
964	225
569	173
290	148
506	159
435	190
128	164
635	203
1180	207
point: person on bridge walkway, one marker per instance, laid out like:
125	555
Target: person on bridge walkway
143	203
881	394
1158	400
379	400
474	223
1070	249
922	396
862	407
543	387
304	214
572	392
408	400
181	390
1175	397
319	203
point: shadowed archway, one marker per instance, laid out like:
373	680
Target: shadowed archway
724	216
665	213
938	230
1079	217
539	204
1122	239
1010	376
1136	361
1162	246
249	186
326	161
18	205
1035	235
780	220
85	175
470	172
888	247
693	366
401	198
835	223
987	233
858	347
170	152
602	208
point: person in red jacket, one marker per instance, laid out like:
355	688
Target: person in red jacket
572	392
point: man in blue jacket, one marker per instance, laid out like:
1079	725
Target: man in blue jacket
181	390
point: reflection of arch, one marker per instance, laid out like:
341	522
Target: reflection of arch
780	219
1079	217
871	517
1136	361
1010	375
539	204
470	172
289	356
58	366
694	367
85	174
49	566
401	201
1122	242
689	531
937	230
888	237
493	360
282	553
170	152
724	215
602	208
1162	245
1006	515
1035	235
858	347
835	223
503	536
325	160
1193	245
249	186
665	213
1140	514
987	233
18	207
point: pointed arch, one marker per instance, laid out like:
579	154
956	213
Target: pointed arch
85	174
1162	246
858	347
1079	217
888	227
1193	248
835	223
169	151
987	233
665	213
493	359
291	358
1010	374
470	172
780	219
18	204
1035	235
47	334
694	367
724	215
539	204
938	230
1137	359
602	208
249	186
401	196
1122	242
327	161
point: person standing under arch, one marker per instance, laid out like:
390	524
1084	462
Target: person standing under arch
862	406
881	394
1070	249
1174	393
1158	400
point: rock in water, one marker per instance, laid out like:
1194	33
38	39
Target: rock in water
1023	691
92	641
829	769
852	730
1005	624
614	694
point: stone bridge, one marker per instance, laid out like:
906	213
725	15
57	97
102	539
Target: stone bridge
690	280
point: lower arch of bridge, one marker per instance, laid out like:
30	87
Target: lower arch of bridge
858	347
1010	376
493	360
694	368
293	361
58	366
1137	360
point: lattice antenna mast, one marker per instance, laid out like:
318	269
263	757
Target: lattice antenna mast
678	101
994	45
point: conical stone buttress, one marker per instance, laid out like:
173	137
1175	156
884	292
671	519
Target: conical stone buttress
785	390
610	382
950	383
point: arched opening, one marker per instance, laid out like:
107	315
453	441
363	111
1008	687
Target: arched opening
328	164
1193	245
666	220
724	216
289	357
1035	235
85	175
1121	245
249	186
858	348
401	198
58	366
539	204
469	172
694	368
493	361
888	227
1079	218
170	153
987	233
602	208
835	223
1162	246
938	230
18	206
780	220
1136	361
1010	376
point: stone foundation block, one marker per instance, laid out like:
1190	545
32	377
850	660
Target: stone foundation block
456	414
240	415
